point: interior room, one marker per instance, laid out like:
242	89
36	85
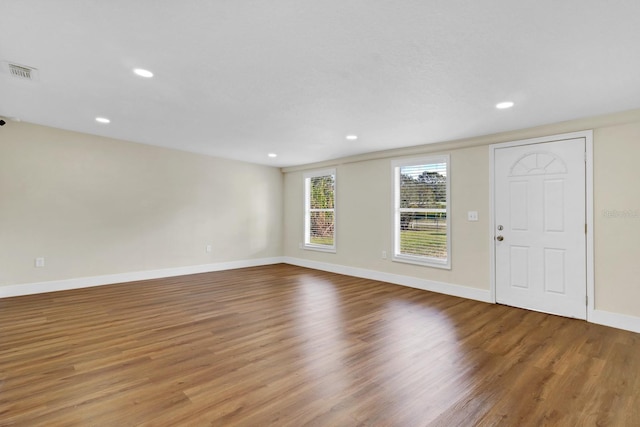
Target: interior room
312	213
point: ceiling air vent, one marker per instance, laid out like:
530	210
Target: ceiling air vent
21	72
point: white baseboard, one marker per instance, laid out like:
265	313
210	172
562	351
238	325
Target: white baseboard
615	320
109	279
600	317
397	279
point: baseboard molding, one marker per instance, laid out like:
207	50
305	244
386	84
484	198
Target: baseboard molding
615	320
110	279
397	279
600	317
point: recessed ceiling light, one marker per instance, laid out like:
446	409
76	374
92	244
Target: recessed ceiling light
272	155
143	73
503	105
102	120
352	137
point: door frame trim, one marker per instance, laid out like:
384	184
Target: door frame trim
588	137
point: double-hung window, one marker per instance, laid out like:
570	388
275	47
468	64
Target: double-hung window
421	220
320	210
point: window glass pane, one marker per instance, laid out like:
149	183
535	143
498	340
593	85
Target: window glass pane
423	234
421	225
423	186
319	231
322	192
321	228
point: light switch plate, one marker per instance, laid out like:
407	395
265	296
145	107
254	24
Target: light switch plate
472	215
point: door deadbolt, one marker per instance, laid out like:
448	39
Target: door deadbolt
500	228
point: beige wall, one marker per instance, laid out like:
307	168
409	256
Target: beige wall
94	206
363	219
364	214
617	218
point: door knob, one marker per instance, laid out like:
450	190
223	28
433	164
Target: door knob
499	238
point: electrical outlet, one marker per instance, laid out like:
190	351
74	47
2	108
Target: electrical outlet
384	254
39	262
208	248
472	216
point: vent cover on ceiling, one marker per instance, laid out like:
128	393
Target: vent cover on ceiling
21	72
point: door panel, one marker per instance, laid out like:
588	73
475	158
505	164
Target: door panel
554	271
519	210
553	205
519	266
540	216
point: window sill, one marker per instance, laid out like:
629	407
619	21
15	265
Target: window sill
425	262
320	248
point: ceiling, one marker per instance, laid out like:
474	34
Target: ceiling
242	78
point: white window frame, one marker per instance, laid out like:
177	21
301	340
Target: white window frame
307	210
396	211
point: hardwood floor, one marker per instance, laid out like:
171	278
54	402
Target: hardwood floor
288	346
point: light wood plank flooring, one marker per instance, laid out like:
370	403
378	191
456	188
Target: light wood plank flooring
288	346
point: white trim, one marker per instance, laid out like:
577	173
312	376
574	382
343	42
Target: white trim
591	284
593	122
306	199
110	279
321	248
397	279
601	317
319	172
588	137
492	225
421	260
396	256
615	320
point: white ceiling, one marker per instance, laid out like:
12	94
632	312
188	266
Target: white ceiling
242	78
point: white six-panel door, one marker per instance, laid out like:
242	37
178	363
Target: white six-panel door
540	241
